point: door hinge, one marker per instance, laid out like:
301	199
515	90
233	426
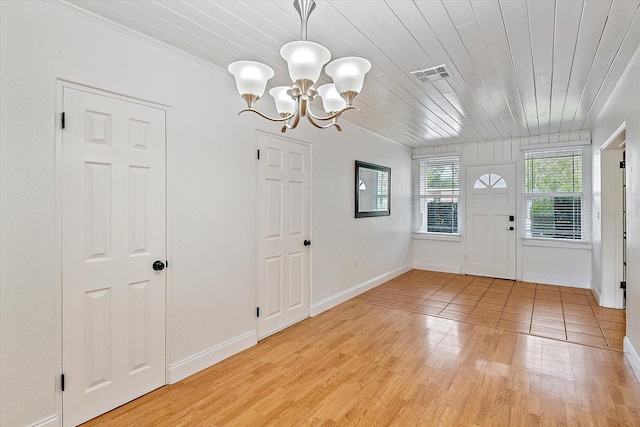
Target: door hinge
258	154
623	164
62	121
257	311
62	382
623	285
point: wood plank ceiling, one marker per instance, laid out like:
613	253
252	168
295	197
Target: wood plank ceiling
518	68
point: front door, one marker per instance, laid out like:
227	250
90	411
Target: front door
283	223
113	220
490	197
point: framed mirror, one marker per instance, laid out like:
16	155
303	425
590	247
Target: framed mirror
373	190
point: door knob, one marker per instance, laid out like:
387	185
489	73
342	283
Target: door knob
158	265
511	228
307	242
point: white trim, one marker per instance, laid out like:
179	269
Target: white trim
596	293
111	94
52	420
576	282
632	357
339	298
58	198
438	236
204	359
534	141
553	145
168	182
456	153
557	243
613	137
441	268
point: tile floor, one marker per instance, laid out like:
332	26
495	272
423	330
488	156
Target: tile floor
559	312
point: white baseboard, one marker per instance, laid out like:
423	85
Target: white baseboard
597	295
196	363
50	421
442	268
332	301
576	282
632	357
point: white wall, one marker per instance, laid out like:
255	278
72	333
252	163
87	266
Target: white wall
556	263
623	107
380	245
438	255
213	191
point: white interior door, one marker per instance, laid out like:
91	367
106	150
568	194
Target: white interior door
490	198
114	221
283	223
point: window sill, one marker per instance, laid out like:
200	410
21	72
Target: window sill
549	243
438	236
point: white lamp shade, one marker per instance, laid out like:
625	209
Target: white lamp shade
305	59
251	77
348	73
331	99
284	103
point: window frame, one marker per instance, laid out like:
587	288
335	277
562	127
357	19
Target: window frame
584	195
423	233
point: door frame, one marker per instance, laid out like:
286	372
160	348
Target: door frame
61	84
257	218
611	150
517	212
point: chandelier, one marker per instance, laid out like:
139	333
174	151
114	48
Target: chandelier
305	60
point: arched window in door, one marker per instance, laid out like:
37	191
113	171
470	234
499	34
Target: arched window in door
490	180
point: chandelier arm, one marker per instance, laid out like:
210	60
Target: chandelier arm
334	115
273	119
333	123
296	120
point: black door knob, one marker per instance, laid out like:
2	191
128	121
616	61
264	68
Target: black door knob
158	265
511	228
307	242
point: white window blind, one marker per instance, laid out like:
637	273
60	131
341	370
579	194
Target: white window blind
556	205
436	194
382	191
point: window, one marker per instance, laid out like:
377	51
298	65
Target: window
437	189
554	200
490	180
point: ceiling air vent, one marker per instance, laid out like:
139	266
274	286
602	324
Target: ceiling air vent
431	74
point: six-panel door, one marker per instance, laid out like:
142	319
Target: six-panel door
283	226
113	216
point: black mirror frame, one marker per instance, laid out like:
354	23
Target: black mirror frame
366	165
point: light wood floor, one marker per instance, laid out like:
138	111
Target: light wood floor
365	364
559	312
